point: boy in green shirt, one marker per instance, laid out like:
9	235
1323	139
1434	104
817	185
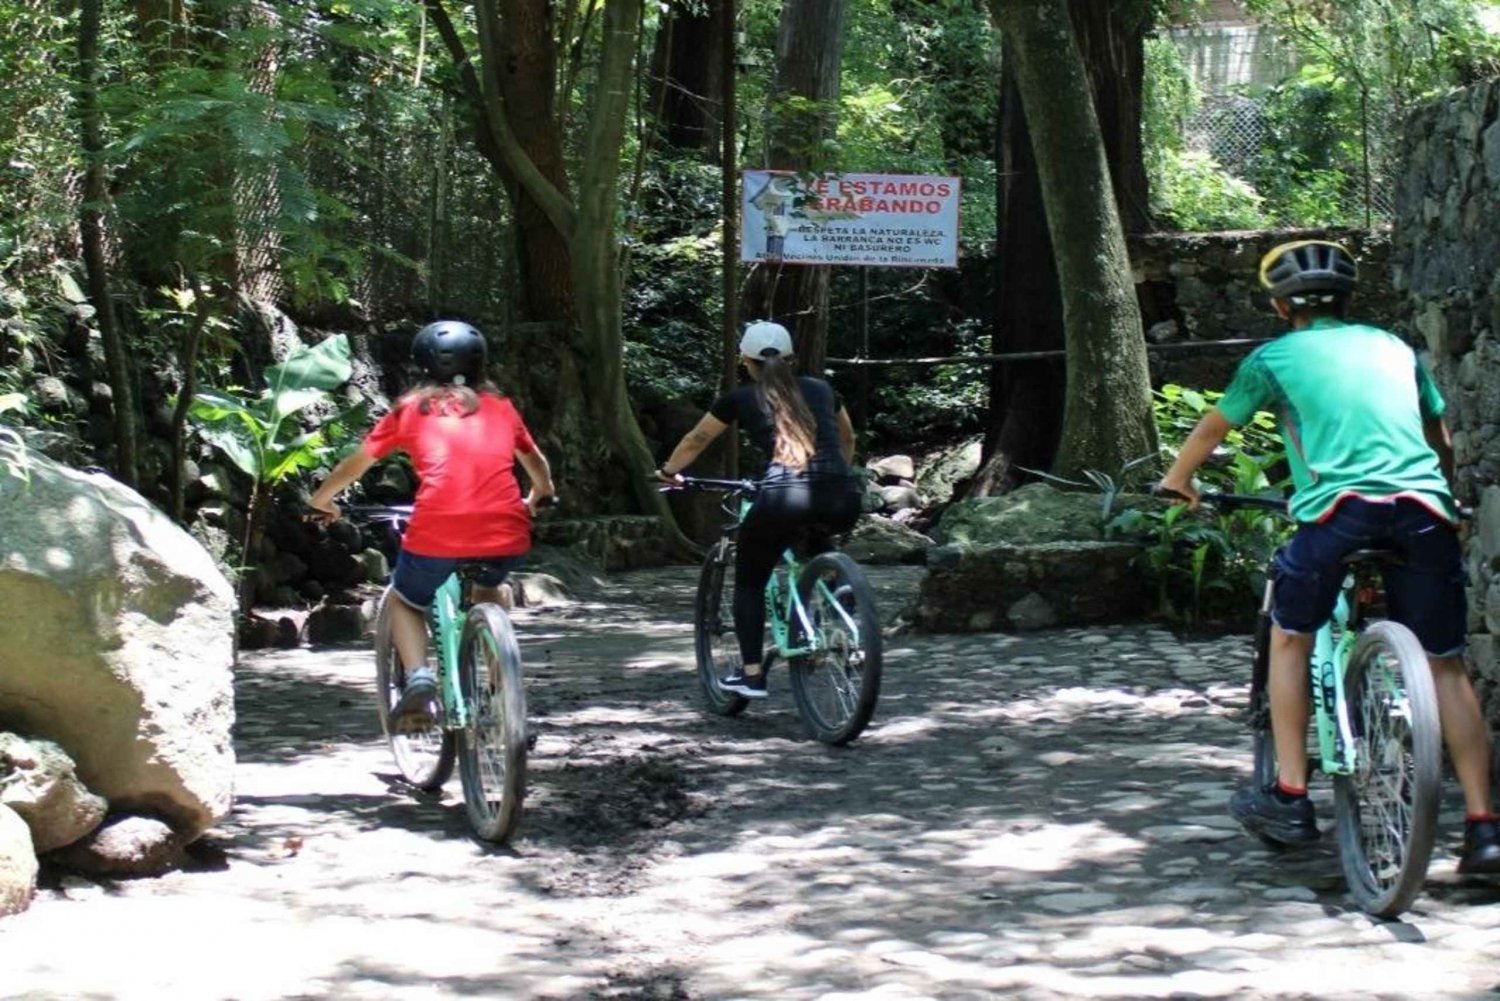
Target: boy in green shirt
1370	458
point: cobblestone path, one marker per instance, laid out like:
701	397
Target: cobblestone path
1032	817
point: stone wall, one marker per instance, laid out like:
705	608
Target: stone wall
1445	260
1203	287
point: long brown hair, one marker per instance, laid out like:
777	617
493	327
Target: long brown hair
447	398
796	431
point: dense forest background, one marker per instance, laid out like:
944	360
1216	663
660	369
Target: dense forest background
193	190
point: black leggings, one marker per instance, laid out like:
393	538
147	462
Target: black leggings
784	515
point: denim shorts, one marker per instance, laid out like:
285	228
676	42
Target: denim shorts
417	578
1425	593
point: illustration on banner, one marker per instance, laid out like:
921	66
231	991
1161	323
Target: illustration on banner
883	220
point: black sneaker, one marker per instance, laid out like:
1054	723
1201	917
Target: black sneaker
751	686
1481	854
1265	815
414	710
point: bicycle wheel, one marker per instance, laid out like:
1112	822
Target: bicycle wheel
493	763
1262	744
424	757
715	644
836	686
1387	810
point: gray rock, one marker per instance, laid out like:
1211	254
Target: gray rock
877	541
18	864
1032	612
1032	514
898	498
894	467
539	590
38	781
939	473
377	567
335	624
117	643
124	846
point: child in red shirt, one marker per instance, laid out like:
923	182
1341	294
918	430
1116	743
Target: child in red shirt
464	440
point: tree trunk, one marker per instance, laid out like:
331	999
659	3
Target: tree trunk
1111	36
1107	415
687	68
187	358
518	117
809	48
91	231
1025	422
1026	419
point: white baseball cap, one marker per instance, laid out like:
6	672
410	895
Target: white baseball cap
764	339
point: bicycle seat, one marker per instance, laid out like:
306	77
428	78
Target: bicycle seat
1381	557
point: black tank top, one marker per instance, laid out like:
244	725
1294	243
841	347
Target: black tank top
744	406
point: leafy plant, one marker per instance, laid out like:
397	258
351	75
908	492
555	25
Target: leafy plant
12	448
1207	567
259	434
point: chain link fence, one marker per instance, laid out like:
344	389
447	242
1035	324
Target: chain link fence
1323	174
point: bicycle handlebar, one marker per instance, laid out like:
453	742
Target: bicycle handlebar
709	483
1228	502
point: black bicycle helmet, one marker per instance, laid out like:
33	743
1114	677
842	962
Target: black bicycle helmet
1308	270
450	351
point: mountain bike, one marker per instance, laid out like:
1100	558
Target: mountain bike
479	717
823	623
1375	716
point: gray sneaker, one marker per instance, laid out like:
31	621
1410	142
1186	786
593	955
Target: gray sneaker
1265	815
416	708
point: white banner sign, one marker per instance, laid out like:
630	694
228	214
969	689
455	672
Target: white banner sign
890	220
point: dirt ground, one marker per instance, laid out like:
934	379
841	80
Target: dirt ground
1033	817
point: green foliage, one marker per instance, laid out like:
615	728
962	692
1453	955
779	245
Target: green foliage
257	433
1208	567
947	400
1194	192
12	448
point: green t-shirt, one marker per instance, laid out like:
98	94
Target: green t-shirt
1350	400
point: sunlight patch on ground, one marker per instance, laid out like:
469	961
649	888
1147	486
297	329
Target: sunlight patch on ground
1051	848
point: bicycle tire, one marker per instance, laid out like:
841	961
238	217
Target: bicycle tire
1262	742
835	703
715	643
1385	851
424	757
492	762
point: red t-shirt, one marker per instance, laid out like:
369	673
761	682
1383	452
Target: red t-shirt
469	503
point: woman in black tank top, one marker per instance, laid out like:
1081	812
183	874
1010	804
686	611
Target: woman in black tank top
807	489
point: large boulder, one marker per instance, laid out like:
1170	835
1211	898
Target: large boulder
1016	588
117	643
876	541
18	865
37	780
1033	514
940	473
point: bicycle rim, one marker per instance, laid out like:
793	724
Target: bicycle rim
1387	809
715	643
423	757
493	764
837	685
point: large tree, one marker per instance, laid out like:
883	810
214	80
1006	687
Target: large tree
92	233
1107	409
568	234
802	121
687	67
1025	424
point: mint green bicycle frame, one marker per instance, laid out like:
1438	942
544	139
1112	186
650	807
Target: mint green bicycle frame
446	621
1330	660
782	609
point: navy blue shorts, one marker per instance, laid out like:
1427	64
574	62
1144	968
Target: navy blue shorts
417	578
1425	594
